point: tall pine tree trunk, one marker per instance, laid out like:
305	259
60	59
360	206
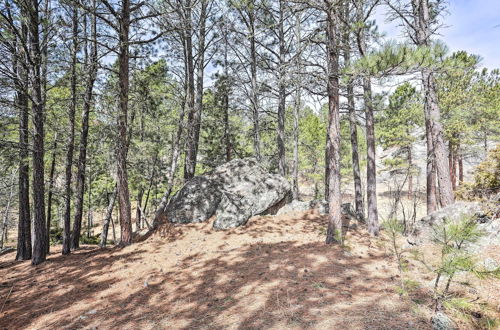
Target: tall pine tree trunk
281	93
71	139
422	15
24	247
253	77
122	143
353	125
189	158
371	169
332	154
39	226
82	156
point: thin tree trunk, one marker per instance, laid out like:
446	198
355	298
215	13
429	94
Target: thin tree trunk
452	166
5	222
51	192
71	139
225	101
332	154
176	145
82	157
431	174
195	124
410	173
24	248
89	212
253	76
138	209
460	169
281	92
107	219
295	176
189	164
371	169
39	226
353	128
122	143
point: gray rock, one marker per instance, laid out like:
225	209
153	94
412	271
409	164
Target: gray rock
440	321
490	264
196	201
295	206
234	192
248	190
232	212
424	232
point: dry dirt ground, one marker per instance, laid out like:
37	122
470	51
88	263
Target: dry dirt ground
275	272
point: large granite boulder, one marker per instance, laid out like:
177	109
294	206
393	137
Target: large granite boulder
233	192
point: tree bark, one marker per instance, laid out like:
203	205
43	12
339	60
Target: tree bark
122	143
430	170
82	156
281	93
39	226
71	138
332	154
189	164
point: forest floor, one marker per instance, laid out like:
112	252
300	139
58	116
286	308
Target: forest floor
275	272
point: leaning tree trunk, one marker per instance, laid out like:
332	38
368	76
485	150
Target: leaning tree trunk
107	219
71	139
40	231
332	152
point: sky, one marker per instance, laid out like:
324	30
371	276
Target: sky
470	25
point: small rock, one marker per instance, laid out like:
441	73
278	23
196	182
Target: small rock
441	321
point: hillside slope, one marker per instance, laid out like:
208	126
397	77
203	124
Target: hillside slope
275	272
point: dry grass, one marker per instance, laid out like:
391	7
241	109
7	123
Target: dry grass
276	272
